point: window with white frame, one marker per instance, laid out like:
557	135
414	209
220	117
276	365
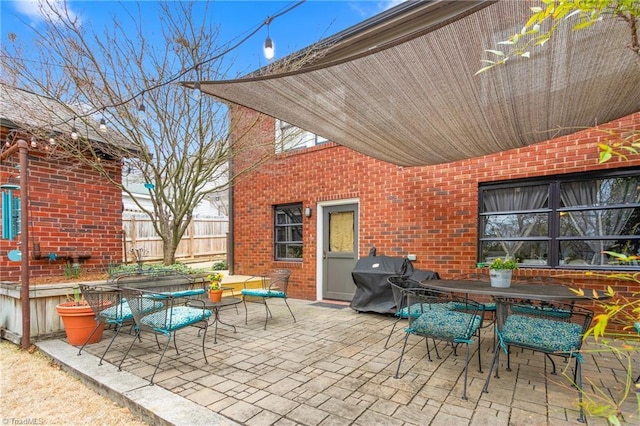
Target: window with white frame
290	137
573	221
288	232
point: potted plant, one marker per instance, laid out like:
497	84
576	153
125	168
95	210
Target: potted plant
79	320
215	286
500	271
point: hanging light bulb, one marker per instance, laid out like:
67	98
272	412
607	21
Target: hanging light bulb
269	50
103	124
34	142
52	138
197	94
141	107
74	131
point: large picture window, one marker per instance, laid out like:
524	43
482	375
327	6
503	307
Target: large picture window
562	222
288	232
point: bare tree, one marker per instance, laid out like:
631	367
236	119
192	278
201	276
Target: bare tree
179	146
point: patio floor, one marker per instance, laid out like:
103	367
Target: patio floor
331	368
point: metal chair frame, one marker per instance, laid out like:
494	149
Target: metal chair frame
153	297
519	324
110	309
274	285
444	321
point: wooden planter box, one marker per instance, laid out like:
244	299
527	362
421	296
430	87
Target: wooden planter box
45	321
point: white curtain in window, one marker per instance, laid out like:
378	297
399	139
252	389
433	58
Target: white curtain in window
526	198
593	223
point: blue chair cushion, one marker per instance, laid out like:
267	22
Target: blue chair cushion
184	293
544	334
488	307
446	324
548	311
178	317
258	292
122	312
417	309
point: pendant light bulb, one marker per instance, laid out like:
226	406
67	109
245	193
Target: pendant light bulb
269	50
103	125
34	142
74	131
52	138
197	93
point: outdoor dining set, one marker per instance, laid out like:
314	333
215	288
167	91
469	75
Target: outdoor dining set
162	302
539	317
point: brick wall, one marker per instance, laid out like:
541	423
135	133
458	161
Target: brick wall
71	210
430	211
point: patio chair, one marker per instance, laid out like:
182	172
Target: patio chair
274	284
555	330
401	286
440	320
172	317
110	309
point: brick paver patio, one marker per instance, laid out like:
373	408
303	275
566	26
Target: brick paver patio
331	368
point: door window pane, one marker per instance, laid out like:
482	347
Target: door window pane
341	232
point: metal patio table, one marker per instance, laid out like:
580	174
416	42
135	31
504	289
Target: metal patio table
519	291
215	307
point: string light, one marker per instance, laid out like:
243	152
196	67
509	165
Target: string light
74	131
197	94
141	107
269	50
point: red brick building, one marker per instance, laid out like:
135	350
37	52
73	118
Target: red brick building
431	211
75	215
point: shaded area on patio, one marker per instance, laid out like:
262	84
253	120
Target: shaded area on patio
331	368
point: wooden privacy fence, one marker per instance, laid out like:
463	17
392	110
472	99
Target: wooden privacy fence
203	238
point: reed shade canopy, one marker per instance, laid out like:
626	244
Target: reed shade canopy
410	97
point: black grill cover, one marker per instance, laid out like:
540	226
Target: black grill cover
373	291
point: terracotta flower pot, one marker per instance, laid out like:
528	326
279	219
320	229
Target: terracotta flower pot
215	295
79	321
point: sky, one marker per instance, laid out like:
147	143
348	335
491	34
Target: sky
313	20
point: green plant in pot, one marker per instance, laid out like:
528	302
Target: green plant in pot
215	286
501	270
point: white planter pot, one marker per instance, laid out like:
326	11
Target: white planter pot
500	277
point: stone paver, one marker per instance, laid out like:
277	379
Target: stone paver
307	415
331	368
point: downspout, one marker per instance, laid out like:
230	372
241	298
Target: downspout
24	240
230	234
23	152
